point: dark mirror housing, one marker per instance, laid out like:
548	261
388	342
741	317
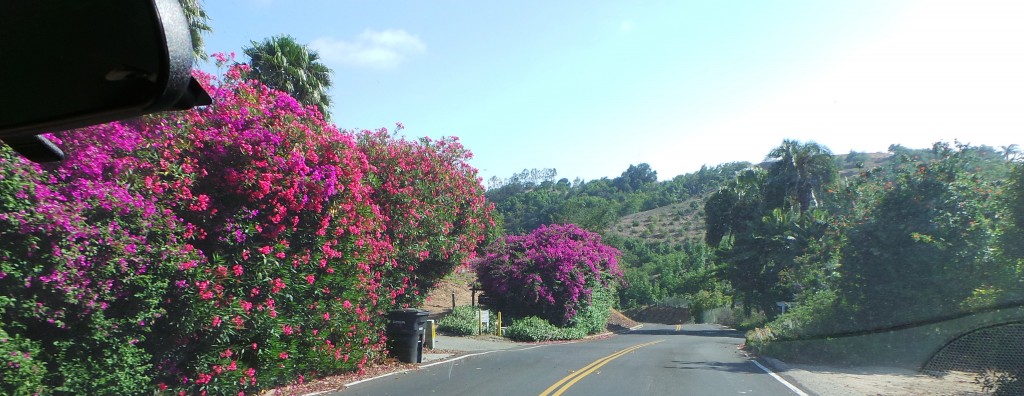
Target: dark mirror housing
69	64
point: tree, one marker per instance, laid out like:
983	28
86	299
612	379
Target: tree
283	64
800	173
198	25
1010	152
588	212
636	178
765	221
922	242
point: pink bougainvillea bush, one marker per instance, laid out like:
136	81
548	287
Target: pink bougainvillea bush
436	214
553	273
85	266
220	250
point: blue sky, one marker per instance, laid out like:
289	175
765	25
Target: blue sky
589	88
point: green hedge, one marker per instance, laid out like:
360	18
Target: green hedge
462	321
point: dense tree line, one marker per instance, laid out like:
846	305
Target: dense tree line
930	233
534	197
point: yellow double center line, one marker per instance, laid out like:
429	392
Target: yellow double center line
561	386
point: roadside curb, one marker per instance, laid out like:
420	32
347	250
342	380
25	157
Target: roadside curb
775	364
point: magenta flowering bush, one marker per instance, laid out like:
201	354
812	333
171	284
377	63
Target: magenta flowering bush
553	272
85	263
436	214
219	250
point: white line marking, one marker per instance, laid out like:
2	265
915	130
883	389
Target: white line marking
377	377
780	379
440	362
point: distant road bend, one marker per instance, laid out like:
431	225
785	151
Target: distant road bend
654	360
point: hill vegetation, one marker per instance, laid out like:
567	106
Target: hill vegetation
850	242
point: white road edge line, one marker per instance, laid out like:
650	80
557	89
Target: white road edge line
780	379
423	366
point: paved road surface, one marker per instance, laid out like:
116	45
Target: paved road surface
654	360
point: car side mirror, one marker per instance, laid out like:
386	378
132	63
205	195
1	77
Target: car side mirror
69	64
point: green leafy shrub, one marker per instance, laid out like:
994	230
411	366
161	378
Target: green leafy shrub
463	320
593	317
753	320
724	316
704	300
815	313
23	372
533	329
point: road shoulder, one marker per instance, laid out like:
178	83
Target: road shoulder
825	380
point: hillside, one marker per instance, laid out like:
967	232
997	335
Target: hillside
683	222
675	223
860	162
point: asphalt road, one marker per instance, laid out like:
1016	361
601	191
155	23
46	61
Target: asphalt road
654	360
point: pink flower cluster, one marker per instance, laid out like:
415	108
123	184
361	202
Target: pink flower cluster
267	243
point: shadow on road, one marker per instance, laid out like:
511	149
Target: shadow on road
735	367
698	333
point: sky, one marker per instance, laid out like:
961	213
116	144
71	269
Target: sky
589	88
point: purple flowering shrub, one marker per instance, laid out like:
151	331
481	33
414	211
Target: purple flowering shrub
553	273
219	250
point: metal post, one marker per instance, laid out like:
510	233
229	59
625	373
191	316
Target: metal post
431	334
453	300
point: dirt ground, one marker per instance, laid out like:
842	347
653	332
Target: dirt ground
851	381
439	301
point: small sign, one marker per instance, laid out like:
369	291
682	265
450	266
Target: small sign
485	316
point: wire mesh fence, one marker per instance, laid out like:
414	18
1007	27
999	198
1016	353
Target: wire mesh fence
994	355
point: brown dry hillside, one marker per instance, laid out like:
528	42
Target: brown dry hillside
439	300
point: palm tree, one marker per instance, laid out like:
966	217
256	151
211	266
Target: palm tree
283	64
1011	152
799	174
198	25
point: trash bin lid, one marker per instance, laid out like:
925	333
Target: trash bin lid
408	314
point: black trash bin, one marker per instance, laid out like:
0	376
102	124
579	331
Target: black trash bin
405	334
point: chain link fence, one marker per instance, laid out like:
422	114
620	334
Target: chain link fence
993	355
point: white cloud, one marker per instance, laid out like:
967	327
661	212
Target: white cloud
373	49
949	70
